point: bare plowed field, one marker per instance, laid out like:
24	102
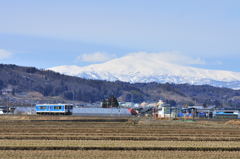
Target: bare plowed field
105	137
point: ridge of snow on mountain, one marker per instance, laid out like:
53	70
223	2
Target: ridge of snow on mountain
143	67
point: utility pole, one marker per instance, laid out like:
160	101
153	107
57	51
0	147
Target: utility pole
73	95
7	101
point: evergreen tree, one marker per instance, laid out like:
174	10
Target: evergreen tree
113	102
104	103
110	102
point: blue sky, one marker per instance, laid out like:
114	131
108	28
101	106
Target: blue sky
76	32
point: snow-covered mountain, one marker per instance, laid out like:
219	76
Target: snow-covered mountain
144	67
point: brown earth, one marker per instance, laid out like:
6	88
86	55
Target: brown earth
110	137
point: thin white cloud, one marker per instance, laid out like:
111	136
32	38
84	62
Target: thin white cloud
95	57
177	58
169	57
173	57
4	54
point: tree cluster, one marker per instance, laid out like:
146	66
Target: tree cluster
110	102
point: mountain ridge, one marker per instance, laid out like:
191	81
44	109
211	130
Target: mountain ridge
145	68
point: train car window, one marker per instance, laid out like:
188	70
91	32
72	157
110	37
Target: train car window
57	107
42	107
68	107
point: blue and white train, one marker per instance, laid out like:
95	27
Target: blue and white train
54	109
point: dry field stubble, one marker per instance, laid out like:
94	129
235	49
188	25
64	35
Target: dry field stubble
93	137
96	154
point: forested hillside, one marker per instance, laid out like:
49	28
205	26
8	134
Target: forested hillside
28	84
